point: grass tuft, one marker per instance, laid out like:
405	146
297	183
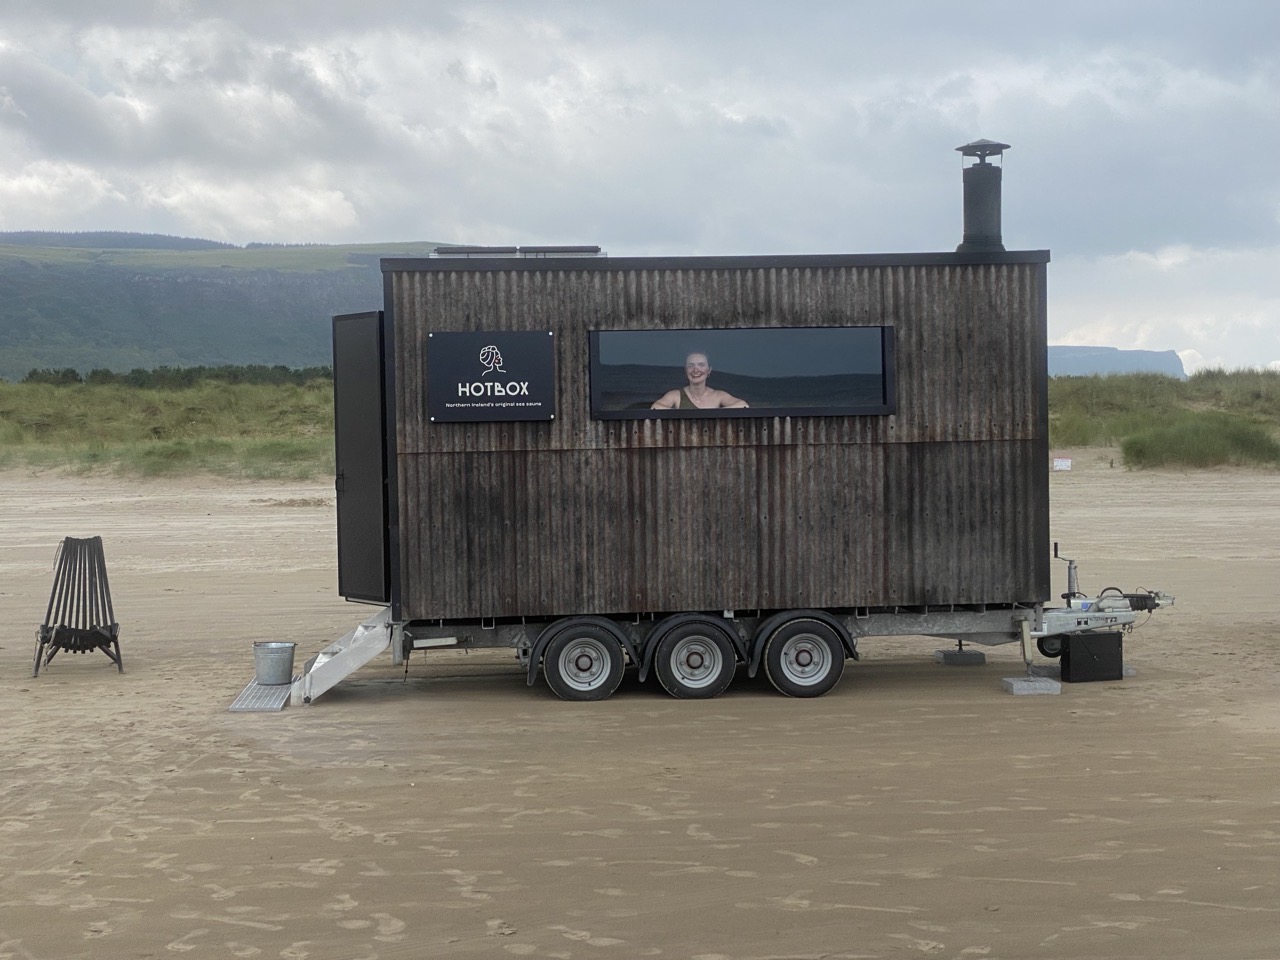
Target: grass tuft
1202	440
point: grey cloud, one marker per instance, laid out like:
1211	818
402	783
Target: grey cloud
812	127
55	115
227	106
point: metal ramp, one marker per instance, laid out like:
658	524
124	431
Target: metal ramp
342	658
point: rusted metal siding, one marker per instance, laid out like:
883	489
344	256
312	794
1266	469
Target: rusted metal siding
943	502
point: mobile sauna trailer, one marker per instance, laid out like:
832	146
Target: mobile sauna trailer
686	465
504	478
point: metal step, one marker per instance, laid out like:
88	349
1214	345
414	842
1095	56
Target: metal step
261	698
342	658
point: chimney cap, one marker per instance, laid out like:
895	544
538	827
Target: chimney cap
983	149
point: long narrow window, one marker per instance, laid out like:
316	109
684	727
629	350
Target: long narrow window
769	372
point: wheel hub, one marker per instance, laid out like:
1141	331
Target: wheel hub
804	660
696	662
584	664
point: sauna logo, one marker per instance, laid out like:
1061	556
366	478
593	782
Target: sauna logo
491	360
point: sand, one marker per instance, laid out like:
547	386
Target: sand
452	811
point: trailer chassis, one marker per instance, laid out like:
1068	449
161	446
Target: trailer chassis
695	654
803	652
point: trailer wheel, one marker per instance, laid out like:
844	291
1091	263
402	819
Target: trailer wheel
804	658
695	661
1051	647
583	663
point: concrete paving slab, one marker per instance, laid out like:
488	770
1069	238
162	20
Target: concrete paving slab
960	658
1031	686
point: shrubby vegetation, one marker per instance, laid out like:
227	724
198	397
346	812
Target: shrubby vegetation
225	427
272	421
1213	418
178	378
1201	439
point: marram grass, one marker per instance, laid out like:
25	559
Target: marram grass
285	431
1214	418
1201	440
234	430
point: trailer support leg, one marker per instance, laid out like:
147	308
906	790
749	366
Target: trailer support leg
1030	684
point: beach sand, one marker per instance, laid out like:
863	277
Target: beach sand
451	811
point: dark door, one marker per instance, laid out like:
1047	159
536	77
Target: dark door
359	423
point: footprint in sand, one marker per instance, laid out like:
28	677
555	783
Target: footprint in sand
915	943
325	868
390	929
804	858
584	936
183	944
342	902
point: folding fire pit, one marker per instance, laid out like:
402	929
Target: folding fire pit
79	617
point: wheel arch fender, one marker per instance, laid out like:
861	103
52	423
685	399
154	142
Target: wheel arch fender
667	624
556	627
769	625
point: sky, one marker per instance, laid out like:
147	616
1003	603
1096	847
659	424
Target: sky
1145	136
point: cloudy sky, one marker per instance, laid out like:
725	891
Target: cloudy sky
1145	135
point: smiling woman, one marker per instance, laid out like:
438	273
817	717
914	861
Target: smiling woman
698	395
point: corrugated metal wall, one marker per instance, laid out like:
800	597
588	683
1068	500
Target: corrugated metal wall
944	502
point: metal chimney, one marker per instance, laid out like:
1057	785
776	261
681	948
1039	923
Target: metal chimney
982	198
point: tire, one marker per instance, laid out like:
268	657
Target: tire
804	658
696	660
584	662
1051	647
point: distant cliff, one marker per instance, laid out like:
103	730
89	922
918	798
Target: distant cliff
1087	361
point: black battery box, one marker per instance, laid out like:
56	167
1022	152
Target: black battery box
1093	656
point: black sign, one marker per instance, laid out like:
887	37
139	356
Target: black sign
493	376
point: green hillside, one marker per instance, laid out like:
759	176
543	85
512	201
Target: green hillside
121	301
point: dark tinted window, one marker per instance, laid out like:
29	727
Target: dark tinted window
793	371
